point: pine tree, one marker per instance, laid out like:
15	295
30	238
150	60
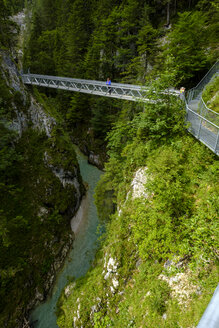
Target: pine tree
187	45
4	24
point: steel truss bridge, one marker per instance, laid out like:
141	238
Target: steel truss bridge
204	123
116	90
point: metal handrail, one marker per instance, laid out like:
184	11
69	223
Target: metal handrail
115	90
211	72
90	82
198	89
198	128
203	118
209	109
210	317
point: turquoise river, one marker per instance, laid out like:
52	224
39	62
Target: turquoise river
84	247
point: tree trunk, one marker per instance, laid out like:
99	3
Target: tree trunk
168	12
189	4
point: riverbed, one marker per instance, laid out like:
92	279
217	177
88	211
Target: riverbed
84	225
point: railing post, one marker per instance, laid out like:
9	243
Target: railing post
210	317
189	96
199	129
215	148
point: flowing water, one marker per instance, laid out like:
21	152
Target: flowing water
82	254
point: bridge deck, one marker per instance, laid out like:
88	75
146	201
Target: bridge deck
116	90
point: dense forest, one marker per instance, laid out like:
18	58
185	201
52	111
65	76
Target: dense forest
171	230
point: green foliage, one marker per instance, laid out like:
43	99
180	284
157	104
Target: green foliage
14	5
118	137
78	27
179	177
104	114
211	10
159	298
146	49
77	110
28	211
4	25
101	321
105	191
187	45
211	94
178	219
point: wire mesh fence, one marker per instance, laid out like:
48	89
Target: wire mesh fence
203	122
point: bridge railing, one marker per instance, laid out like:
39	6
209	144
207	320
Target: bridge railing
197	90
204	122
210	317
203	129
116	90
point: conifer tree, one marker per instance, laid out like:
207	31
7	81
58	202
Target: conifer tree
4	26
187	45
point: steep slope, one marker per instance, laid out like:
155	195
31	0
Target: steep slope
158	263
40	191
211	94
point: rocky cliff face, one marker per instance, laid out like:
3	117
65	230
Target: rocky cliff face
51	180
30	112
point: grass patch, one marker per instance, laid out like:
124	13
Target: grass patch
211	94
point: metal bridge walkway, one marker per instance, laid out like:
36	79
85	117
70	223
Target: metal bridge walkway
116	90
203	122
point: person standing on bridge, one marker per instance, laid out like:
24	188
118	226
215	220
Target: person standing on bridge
182	93
108	83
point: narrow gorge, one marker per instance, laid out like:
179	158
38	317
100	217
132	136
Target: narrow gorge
127	236
42	199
